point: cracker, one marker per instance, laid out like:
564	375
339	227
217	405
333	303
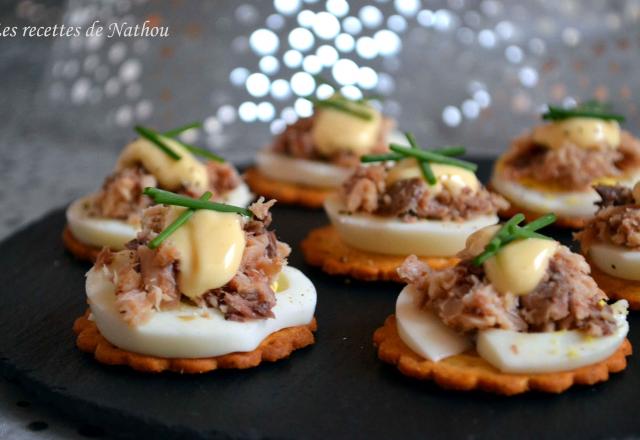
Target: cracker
285	192
323	247
468	371
617	288
79	249
514	208
276	346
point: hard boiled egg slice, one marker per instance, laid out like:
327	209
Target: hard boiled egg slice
301	171
239	196
308	172
95	231
424	332
575	204
384	235
617	261
515	352
191	332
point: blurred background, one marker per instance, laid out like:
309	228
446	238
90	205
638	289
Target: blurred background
475	72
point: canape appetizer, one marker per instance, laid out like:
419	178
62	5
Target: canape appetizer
413	201
554	166
315	155
111	216
203	286
611	242
519	312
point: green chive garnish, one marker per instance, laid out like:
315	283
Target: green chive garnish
427	172
181	220
200	151
322	80
156	139
510	231
169	198
341	104
445	151
192	148
424	157
177	131
381	157
431	156
589	109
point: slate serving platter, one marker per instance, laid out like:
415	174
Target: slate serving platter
336	388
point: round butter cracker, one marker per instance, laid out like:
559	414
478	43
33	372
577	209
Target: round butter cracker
79	249
323	247
468	371
276	346
617	288
285	192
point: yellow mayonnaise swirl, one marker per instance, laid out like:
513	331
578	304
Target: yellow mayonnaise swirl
171	174
336	131
210	247
583	132
520	266
448	176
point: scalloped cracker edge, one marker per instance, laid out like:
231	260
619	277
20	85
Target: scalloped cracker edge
468	371
616	288
79	249
285	192
323	248
276	346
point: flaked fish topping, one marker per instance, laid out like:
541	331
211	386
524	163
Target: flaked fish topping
570	168
121	194
617	220
567	298
366	191
146	279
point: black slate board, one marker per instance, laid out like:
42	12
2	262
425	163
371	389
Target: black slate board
336	388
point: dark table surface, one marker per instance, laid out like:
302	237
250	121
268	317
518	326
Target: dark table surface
336	388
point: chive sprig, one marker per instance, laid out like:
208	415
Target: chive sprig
157	139
443	155
338	102
393	157
590	109
179	130
173	227
430	156
427	172
511	231
169	198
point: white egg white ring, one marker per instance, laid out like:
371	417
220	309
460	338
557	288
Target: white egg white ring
312	173
392	236
301	171
509	351
187	332
99	232
549	352
95	231
424	332
616	261
238	196
568	204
